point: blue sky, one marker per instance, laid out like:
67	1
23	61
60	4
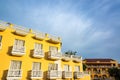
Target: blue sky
90	27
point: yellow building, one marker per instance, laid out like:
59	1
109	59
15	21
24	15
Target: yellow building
99	68
29	55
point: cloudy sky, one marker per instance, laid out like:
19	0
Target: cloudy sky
90	27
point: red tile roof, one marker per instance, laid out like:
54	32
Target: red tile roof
98	59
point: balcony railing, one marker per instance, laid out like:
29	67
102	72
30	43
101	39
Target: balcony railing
54	74
21	30
76	58
67	74
54	55
38	53
3	25
39	35
36	74
99	66
14	74
78	74
66	57
54	39
19	51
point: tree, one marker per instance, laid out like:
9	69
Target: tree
84	67
114	72
71	52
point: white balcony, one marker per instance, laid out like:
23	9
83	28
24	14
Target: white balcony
21	30
39	36
3	25
54	39
38	53
18	51
54	55
66	57
76	58
54	74
36	74
78	74
67	74
14	74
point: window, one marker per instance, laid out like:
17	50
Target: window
66	67
77	68
15	65
53	48
36	66
53	66
19	43
18	47
38	46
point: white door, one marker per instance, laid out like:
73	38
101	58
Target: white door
77	68
15	65
53	66
38	46
66	67
36	66
54	49
19	43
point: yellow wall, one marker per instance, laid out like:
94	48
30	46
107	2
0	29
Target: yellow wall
8	38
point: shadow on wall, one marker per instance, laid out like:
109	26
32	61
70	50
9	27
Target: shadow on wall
29	75
4	76
9	50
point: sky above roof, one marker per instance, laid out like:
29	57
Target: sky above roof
90	27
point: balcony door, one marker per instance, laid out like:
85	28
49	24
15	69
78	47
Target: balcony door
38	47
53	66
19	43
77	68
66	67
15	65
36	66
53	49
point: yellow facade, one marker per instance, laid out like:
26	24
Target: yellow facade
19	53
